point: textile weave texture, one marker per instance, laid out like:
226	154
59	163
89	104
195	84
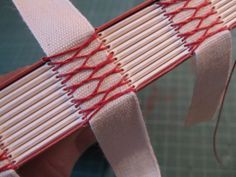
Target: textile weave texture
9	173
181	151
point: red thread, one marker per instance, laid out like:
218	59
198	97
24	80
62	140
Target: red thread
75	54
4	156
194	17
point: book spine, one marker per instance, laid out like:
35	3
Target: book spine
141	45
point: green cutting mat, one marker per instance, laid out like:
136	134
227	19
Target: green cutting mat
181	151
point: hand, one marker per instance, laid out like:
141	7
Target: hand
59	160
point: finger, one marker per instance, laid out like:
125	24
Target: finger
59	160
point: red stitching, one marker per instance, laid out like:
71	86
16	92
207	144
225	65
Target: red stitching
9	165
3	155
74	53
178	25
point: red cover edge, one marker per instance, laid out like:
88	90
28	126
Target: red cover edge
19	74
